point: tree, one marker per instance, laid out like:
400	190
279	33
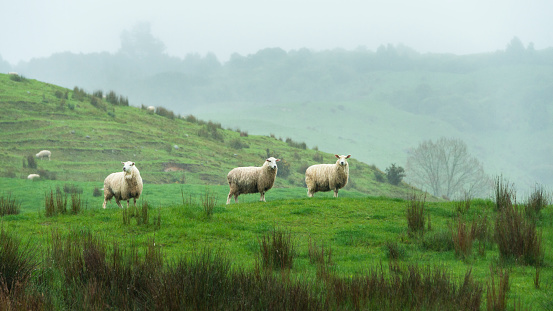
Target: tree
395	174
446	169
140	43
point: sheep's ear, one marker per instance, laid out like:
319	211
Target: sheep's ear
132	164
337	156
349	155
268	160
122	162
277	160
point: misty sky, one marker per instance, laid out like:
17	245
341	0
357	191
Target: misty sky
37	28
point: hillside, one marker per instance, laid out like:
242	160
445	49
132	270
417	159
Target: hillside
89	137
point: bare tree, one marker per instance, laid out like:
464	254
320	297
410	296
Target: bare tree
445	168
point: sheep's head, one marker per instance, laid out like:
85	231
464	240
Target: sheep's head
271	162
127	167
342	159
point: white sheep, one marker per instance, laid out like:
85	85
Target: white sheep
13	73
44	154
252	179
123	185
33	176
151	109
326	177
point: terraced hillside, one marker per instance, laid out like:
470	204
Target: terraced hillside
89	136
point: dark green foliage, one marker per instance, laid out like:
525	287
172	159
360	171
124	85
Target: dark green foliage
162	111
58	94
70	188
96	192
98	103
283	168
9	206
277	250
394	251
98	93
294	144
438	241
31	161
44	174
237	143
78	94
395	174
415	215
318	158
17	78
211	130
192	119
379	176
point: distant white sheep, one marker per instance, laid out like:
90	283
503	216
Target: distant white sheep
151	109
13	73
33	176
252	179
44	154
124	185
327	177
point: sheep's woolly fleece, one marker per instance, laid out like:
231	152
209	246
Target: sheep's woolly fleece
124	185
327	177
252	179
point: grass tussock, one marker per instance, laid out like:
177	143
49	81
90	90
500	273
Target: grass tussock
537	201
496	294
9	206
55	203
415	215
277	250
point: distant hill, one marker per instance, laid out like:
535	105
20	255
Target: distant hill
89	137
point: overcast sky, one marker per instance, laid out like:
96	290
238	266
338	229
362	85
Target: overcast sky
38	28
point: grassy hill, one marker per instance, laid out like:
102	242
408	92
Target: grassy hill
182	231
89	137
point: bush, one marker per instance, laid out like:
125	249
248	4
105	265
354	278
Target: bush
78	94
161	111
379	176
283	168
96	192
395	174
98	103
31	162
317	157
236	143
69	188
294	144
536	202
18	78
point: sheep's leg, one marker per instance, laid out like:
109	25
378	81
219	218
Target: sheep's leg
229	196
105	202
236	198
118	203
309	193
335	193
262	198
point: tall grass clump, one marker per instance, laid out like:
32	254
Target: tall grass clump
9	206
415	215
504	193
322	258
76	203
405	288
516	235
462	206
55	204
17	263
536	203
462	238
277	250
209	200
496	296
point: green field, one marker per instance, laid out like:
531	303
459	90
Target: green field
362	228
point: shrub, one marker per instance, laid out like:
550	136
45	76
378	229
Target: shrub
192	119
283	168
78	94
277	250
395	174
98	103
69	188
236	143
161	111
317	157
47	174
58	94
415	215
18	78
98	93
96	192
294	144
379	176
31	163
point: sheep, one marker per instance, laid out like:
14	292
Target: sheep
151	109
252	179
33	176
13	73
43	154
326	177
123	185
